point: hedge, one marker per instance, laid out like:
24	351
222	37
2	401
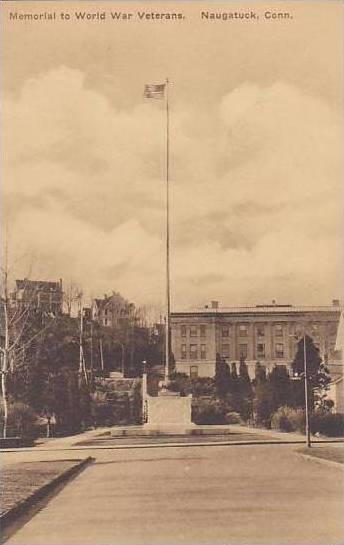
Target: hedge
329	424
322	422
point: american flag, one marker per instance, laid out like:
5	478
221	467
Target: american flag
153	90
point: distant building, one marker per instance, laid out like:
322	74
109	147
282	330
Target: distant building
38	295
264	333
336	394
113	310
336	391
87	313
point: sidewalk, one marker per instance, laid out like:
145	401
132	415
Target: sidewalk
69	441
48	449
292	437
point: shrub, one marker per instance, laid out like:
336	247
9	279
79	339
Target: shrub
329	424
179	382
21	420
233	418
202	386
263	403
288	419
209	411
102	414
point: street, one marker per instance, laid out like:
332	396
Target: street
248	494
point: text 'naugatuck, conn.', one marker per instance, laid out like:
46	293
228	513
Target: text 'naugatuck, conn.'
244	15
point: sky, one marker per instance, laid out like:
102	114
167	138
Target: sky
255	151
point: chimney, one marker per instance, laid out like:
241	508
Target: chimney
335	302
214	304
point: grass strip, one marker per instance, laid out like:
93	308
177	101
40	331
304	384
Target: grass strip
22	484
333	454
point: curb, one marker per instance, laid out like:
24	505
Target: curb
172	445
322	461
25	504
272	441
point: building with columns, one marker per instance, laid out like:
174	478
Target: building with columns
264	333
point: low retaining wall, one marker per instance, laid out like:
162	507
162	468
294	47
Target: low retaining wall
15	442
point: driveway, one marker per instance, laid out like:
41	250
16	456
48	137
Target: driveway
250	494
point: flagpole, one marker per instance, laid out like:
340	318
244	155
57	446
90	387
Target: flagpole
168	294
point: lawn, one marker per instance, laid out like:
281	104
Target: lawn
164	439
19	481
332	453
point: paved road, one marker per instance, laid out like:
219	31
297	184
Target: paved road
207	495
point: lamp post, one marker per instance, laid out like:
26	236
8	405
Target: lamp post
122	357
305	373
308	433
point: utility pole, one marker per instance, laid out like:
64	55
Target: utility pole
308	433
82	366
305	373
91	353
101	355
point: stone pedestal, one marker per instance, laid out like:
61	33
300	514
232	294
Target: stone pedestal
168	413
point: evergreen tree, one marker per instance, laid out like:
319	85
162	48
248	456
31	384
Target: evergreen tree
280	383
234	372
222	377
243	371
245	389
318	375
263	404
259	373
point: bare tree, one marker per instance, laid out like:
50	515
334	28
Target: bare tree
17	332
71	297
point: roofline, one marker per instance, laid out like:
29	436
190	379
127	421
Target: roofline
255	310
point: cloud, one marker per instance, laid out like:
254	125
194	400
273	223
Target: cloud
255	182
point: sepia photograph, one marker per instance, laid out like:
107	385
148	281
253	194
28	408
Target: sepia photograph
171	276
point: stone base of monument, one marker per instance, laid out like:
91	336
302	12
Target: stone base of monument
168	413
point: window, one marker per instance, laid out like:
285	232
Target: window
203	352
315	330
279	350
193	331
335	354
333	328
299	330
193	371
260	331
243	351
278	330
106	321
183	330
332	348
202	331
225	331
183	352
193	351
242	330
260	350
225	350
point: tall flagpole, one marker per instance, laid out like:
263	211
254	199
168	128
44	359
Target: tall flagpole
168	295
